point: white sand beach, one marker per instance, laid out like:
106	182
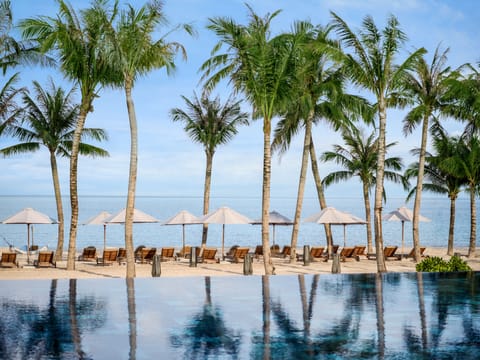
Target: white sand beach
182	267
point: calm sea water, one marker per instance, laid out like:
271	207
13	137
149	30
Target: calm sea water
433	233
363	316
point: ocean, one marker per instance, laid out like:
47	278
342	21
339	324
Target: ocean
432	234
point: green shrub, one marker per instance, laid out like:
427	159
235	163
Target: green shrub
437	264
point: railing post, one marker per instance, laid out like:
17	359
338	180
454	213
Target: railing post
247	265
306	255
156	266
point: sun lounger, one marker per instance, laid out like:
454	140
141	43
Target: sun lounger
411	254
89	254
317	253
286	251
109	257
184	252
45	259
274	249
208	256
8	259
146	255
388	253
359	252
258	252
167	253
238	254
347	253
122	256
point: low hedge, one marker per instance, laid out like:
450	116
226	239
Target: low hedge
437	264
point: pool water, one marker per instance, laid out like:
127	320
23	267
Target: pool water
389	316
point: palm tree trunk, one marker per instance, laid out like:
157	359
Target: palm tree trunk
380	316
451	229
132	181
421	311
473	223
206	195
418	192
267	160
132	318
301	187
381	267
72	242
368	216
58	200
320	193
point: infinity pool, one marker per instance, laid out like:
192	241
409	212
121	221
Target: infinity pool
400	316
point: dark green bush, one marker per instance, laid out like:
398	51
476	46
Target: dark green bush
437	264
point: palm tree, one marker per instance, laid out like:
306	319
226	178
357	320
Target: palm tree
427	85
320	91
9	109
50	121
465	164
437	179
359	158
133	53
76	40
210	124
372	66
259	65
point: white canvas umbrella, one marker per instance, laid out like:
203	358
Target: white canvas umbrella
183	218
402	214
332	216
29	216
100	219
224	215
275	218
138	217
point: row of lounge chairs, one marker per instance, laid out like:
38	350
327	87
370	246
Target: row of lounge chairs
44	259
143	255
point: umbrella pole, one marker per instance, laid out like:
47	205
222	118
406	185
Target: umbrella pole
273	237
28	243
183	239
104	236
403	239
223	242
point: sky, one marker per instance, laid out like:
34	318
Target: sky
169	163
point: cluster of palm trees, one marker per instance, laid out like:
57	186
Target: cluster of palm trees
299	77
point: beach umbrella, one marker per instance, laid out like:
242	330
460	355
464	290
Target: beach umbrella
224	215
29	216
402	214
275	218
99	219
183	218
332	216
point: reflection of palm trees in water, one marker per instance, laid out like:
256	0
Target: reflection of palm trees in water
54	332
207	334
132	318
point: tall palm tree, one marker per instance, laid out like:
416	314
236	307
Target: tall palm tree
465	164
437	179
258	65
319	83
210	124
372	66
359	157
133	53
76	40
427	85
10	111
49	121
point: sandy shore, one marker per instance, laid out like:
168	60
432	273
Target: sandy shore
182	268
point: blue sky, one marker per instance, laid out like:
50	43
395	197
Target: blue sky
169	163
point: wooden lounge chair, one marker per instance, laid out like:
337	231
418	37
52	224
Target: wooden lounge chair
359	252
388	253
45	259
317	253
138	252
411	254
258	252
9	259
208	256
347	253
122	256
146	255
167	253
238	254
286	251
89	254
109	257
184	252
274	249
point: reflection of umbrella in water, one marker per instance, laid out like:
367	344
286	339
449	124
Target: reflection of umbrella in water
402	214
332	216
100	219
29	216
183	218
275	218
224	215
